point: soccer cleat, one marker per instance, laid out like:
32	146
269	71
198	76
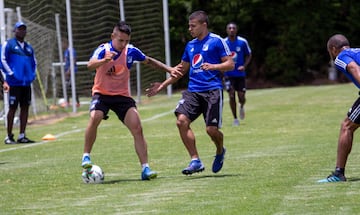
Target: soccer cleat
333	177
242	113
147	174
219	161
86	162
236	122
9	139
25	140
194	166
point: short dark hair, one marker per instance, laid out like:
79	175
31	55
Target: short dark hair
338	41
200	15
123	27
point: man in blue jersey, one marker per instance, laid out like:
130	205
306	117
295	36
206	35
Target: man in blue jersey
346	60
3	82
205	57
235	79
19	63
65	46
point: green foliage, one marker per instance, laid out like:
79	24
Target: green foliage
288	38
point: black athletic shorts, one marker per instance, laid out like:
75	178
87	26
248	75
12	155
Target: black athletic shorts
237	83
354	112
119	104
19	95
209	104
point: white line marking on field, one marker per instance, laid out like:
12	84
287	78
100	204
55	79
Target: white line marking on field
76	131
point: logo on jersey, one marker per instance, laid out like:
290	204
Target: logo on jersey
205	47
238	48
129	59
197	61
234	55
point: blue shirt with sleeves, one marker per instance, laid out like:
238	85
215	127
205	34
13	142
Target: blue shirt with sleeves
208	50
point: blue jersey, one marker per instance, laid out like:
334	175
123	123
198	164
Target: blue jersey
209	50
67	59
239	50
133	54
19	64
344	58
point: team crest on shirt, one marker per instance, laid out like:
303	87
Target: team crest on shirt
238	48
205	47
197	61
129	59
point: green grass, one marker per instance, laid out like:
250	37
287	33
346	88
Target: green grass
286	143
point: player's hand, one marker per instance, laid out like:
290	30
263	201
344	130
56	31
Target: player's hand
177	71
154	89
207	66
241	68
6	87
109	55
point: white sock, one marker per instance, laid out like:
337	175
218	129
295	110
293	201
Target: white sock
195	159
144	165
21	135
86	154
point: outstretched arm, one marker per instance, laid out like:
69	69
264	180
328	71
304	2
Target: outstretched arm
173	71
156	87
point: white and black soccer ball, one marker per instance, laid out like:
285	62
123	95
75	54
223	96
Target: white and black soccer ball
95	175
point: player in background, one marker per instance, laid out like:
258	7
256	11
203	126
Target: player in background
66	48
3	82
112	61
235	80
19	64
205	57
346	60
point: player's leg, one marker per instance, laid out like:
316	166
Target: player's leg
98	112
187	111
13	104
133	123
24	101
350	124
213	122
240	88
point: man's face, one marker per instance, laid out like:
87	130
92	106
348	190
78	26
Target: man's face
20	33
120	40
196	28
231	30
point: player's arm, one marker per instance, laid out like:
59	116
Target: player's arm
156	87
95	63
354	69
173	71
246	62
227	64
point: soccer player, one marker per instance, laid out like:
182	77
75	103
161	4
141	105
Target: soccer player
19	64
205	57
112	61
347	60
67	71
235	80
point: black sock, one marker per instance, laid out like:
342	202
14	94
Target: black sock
340	170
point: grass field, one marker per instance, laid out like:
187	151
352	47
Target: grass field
286	143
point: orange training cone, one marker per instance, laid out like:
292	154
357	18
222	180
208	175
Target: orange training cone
49	137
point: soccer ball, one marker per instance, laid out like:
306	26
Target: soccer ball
95	175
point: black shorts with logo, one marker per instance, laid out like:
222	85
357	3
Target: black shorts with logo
209	104
237	83
19	95
119	104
